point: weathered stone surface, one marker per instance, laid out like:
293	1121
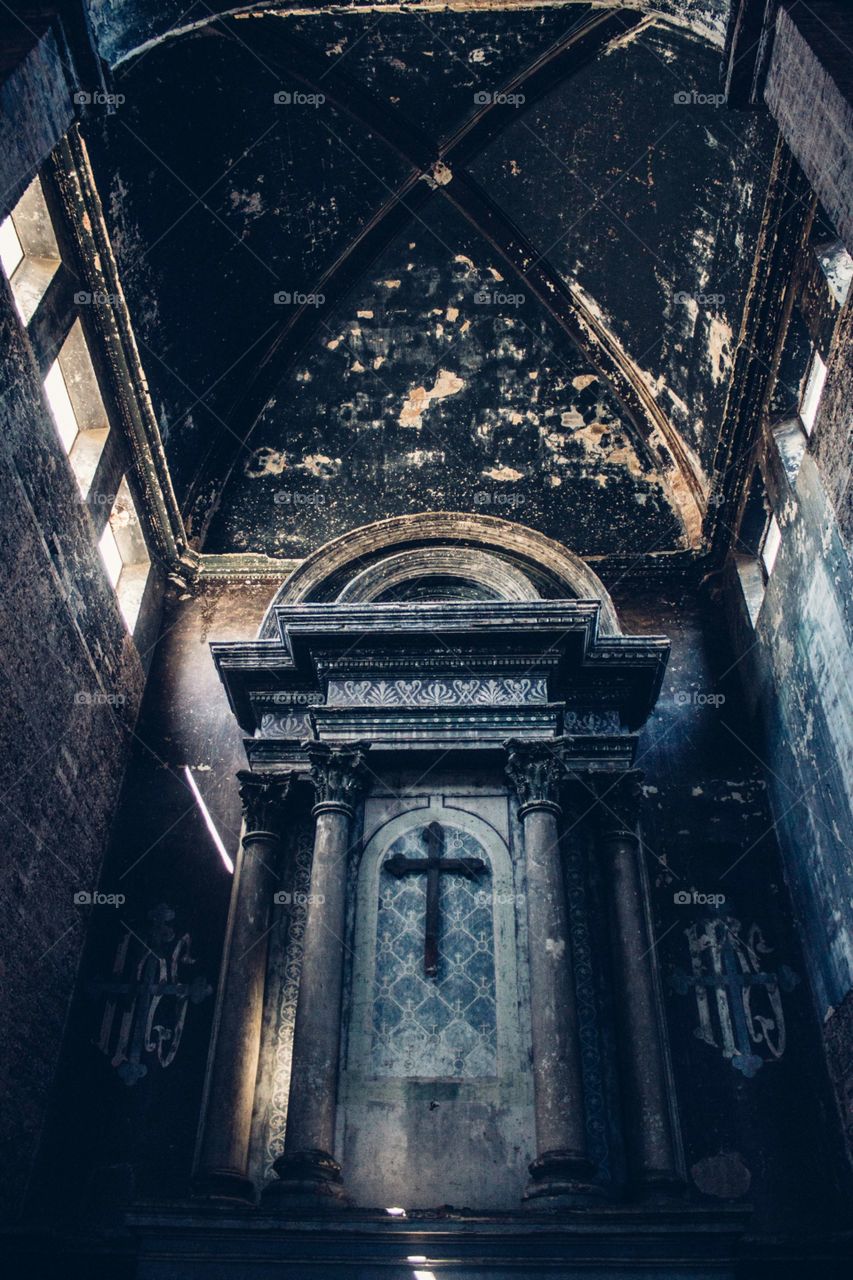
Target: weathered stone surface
810	94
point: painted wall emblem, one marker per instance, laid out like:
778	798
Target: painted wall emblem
738	1000
147	996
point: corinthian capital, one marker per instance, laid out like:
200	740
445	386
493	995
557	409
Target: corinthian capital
338	773
535	770
618	796
264	797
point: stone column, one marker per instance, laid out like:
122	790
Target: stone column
652	1163
222	1150
561	1172
309	1176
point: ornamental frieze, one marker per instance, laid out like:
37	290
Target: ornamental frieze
474	692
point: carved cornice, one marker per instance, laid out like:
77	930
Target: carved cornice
445	644
338	773
264	799
536	772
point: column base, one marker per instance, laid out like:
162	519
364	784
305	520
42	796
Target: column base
306	1180
560	1180
225	1185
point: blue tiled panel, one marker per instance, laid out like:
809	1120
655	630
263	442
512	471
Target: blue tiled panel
445	1026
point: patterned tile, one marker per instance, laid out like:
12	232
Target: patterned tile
444	1026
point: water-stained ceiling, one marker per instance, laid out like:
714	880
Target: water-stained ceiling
489	258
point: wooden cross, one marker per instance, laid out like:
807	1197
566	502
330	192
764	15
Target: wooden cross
434	864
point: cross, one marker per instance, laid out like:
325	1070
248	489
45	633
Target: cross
434	864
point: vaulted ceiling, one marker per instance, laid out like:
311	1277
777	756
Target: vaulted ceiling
489	258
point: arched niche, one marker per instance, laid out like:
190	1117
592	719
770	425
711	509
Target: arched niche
489	576
504	560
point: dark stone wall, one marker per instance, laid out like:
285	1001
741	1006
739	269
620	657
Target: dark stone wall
795	663
70	674
71	681
810	94
161	855
795	671
35	107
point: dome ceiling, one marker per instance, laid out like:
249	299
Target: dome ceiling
490	260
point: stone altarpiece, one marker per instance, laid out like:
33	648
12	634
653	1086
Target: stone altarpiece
414	1008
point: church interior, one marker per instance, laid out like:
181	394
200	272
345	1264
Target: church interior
425	639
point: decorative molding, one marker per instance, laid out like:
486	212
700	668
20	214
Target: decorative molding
557	641
566	572
589	1014
494	575
497	692
471	728
282	1048
286	724
236	566
598	722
